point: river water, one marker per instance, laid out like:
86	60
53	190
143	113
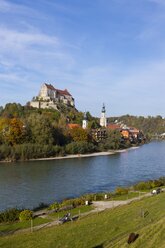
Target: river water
26	184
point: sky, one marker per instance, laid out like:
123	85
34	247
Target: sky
102	51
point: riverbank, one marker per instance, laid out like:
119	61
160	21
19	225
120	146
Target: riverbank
108	228
48	218
95	154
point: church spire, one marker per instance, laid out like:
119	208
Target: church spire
103	108
103	119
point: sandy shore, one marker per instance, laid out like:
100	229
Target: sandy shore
86	155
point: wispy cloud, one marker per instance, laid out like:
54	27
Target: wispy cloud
12	38
13	8
31	48
160	2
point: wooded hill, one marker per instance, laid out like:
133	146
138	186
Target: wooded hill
150	125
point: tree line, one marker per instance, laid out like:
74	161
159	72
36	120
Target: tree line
26	132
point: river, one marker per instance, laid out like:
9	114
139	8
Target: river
27	184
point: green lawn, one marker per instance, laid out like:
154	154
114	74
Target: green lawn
9	227
109	229
124	197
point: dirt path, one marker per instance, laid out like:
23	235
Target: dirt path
102	205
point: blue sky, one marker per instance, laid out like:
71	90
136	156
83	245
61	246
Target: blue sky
110	51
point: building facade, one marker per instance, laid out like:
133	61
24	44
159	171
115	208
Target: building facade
49	97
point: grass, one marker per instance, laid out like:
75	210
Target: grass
107	229
124	197
10	227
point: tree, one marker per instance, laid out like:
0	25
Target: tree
41	129
16	131
79	134
113	140
12	110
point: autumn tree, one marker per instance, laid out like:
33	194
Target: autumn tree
79	134
12	130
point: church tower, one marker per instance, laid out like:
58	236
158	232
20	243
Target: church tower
85	121
103	119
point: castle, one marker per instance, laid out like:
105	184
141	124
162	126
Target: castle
50	97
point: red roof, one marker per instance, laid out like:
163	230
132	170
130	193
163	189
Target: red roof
113	126
73	125
49	86
63	92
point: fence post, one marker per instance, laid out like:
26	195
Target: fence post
31	224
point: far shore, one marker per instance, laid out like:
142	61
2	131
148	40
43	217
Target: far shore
95	154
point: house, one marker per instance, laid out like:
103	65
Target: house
134	132
99	134
125	133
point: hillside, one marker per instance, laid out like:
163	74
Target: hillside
149	125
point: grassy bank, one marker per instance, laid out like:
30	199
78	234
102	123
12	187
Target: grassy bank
107	229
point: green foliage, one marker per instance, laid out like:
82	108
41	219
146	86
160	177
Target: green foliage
10	215
41	129
74	202
93	124
147	185
112	141
12	110
5	152
29	151
142	186
79	147
54	206
26	215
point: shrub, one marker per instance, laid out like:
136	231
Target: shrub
121	191
10	215
143	185
80	147
157	183
5	152
54	205
162	180
78	202
26	215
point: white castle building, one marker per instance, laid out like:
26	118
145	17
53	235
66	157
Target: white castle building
49	97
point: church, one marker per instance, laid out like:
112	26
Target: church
103	119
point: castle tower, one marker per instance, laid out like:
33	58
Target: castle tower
85	121
103	119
